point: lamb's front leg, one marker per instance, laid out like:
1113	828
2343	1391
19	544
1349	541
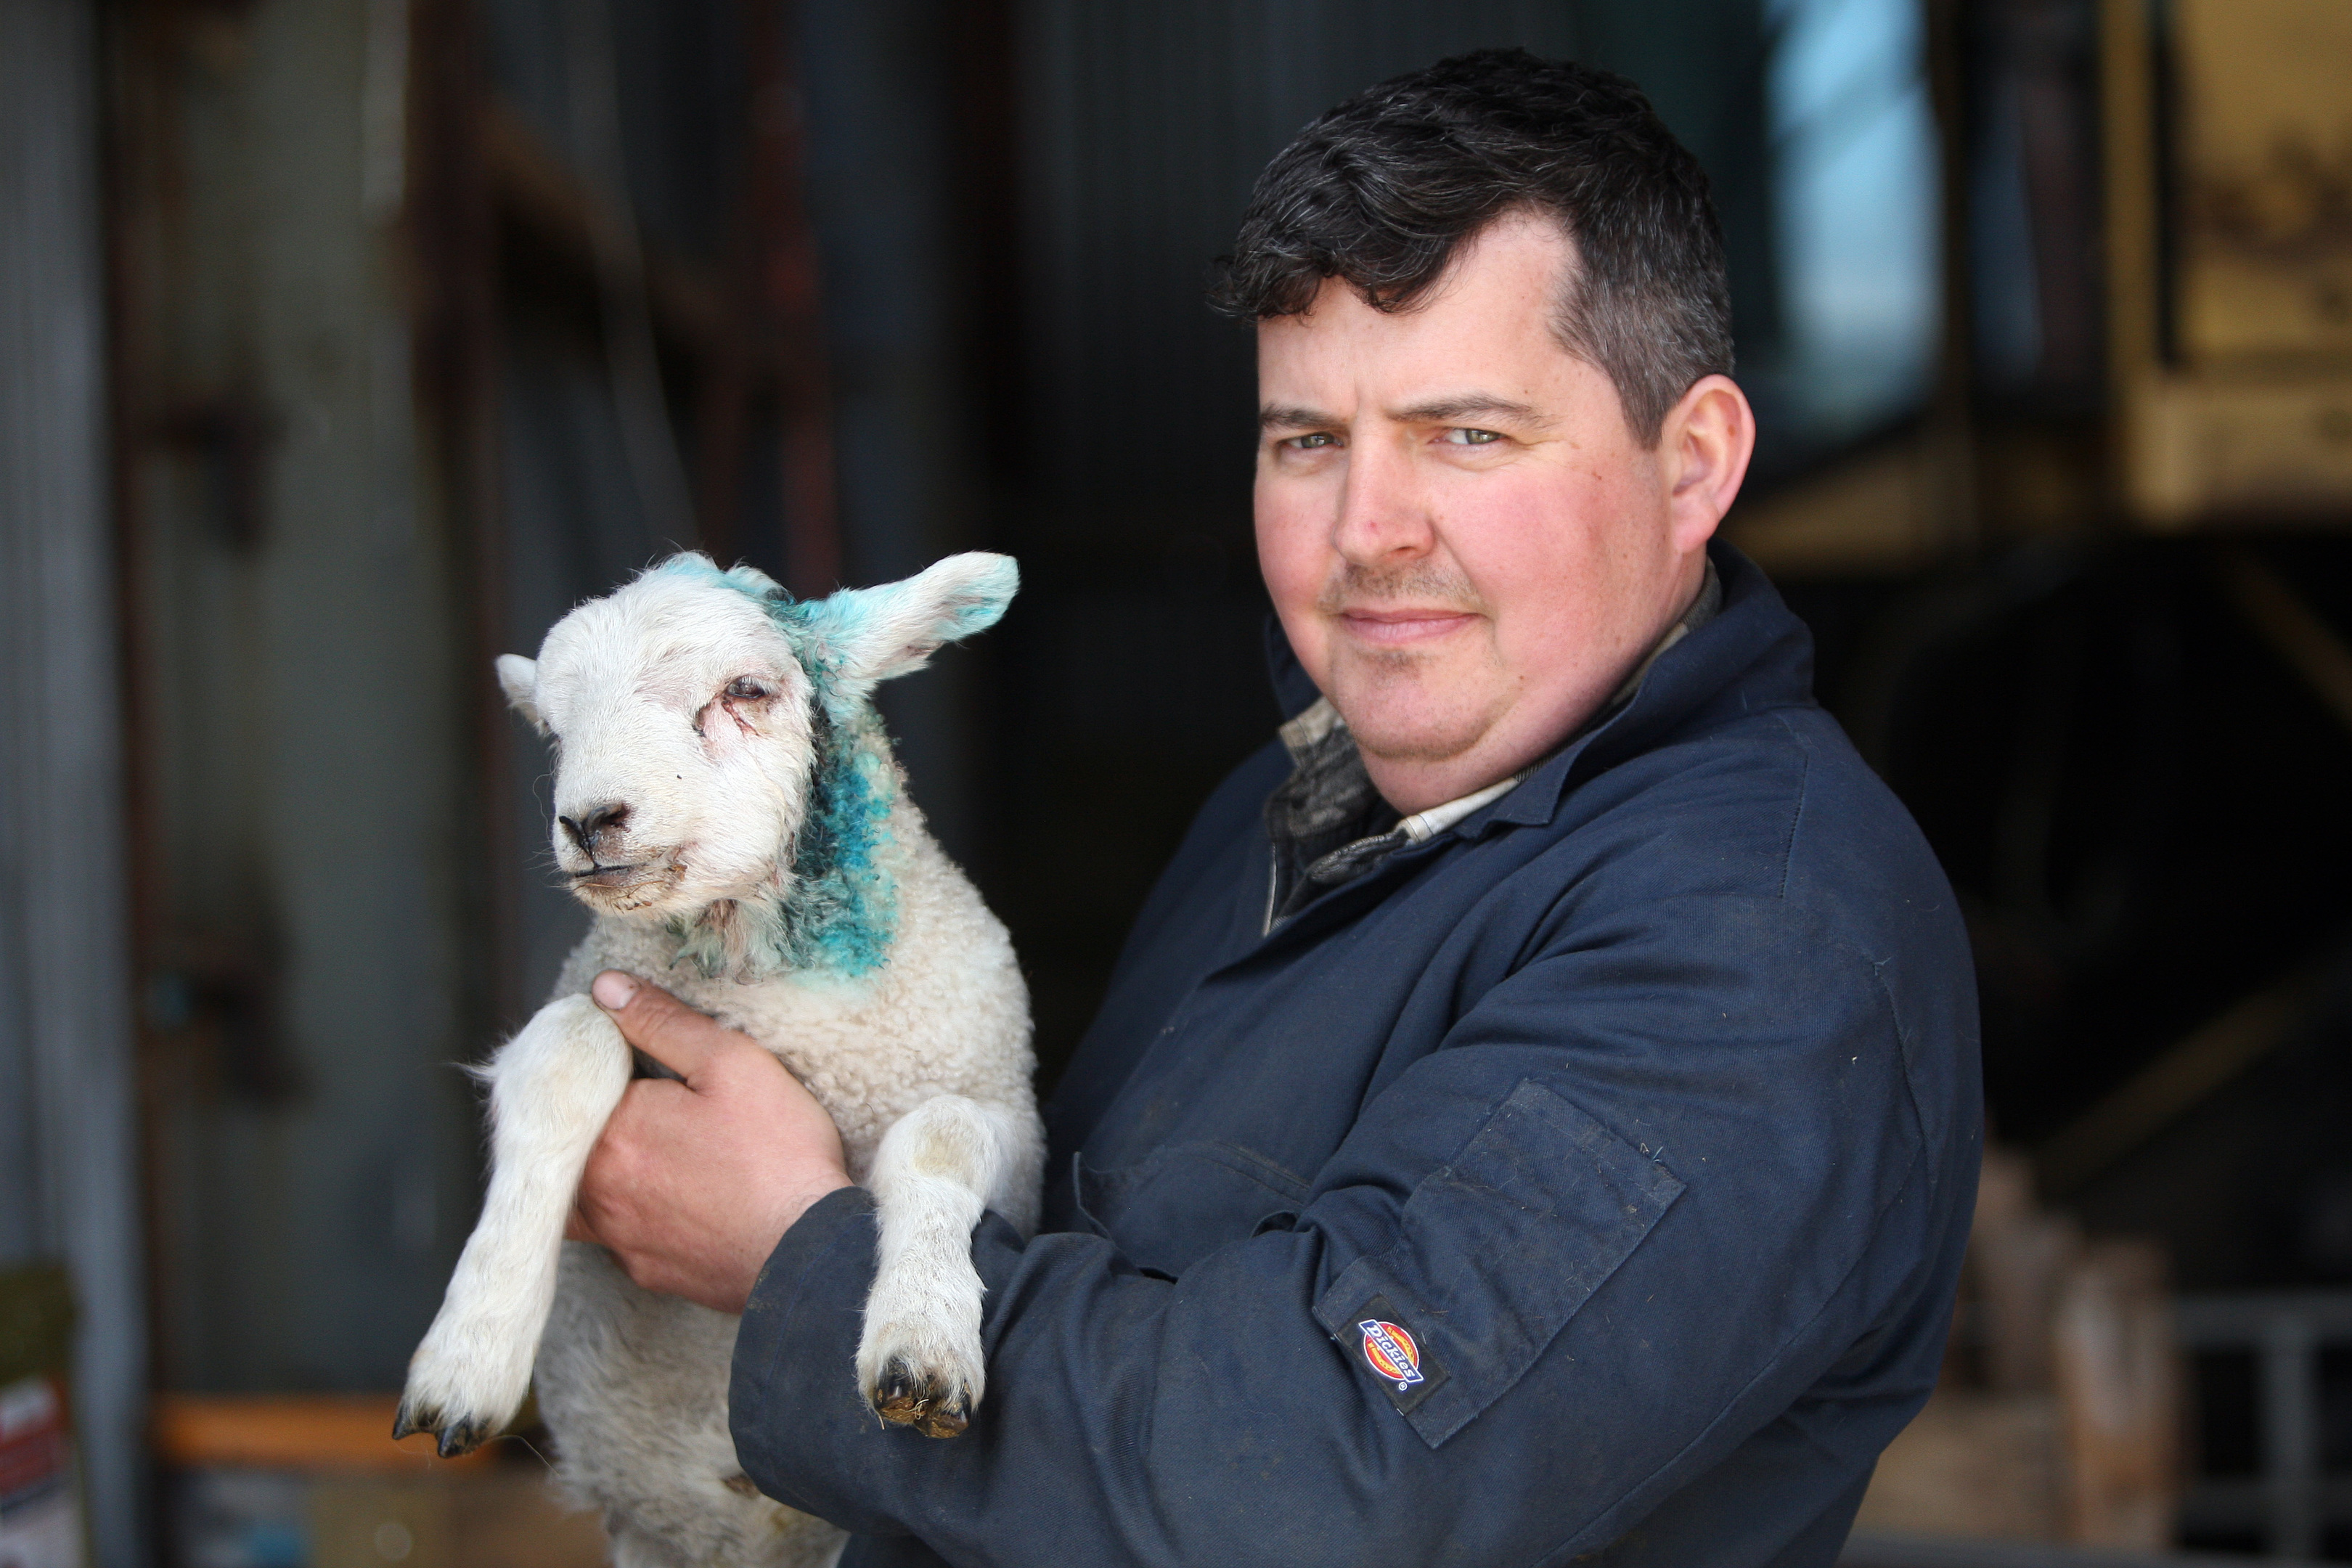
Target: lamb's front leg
919	1358
552	1087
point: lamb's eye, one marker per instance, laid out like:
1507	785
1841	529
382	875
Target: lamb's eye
743	689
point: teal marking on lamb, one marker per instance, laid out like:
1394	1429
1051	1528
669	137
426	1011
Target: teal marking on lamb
844	910
841	913
814	628
816	642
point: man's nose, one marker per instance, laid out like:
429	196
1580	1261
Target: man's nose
597	824
1383	514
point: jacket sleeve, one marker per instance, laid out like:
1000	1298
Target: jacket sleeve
1650	1189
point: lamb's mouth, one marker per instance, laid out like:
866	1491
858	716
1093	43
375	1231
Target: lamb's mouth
623	888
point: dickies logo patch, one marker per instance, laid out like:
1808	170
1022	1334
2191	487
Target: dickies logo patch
1400	1359
1390	1349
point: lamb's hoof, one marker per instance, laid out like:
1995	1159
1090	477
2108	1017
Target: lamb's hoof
455	1437
905	1399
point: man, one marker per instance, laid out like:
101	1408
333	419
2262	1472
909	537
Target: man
1535	1115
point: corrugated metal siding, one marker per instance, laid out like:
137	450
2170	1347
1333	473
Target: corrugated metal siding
68	1161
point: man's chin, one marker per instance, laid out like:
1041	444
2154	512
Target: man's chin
1408	734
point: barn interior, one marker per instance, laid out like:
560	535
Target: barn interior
344	345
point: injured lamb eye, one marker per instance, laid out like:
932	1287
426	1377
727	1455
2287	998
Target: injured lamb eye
745	690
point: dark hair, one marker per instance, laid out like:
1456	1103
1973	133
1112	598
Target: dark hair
1383	189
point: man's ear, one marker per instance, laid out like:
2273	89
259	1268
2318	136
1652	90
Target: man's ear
1706	441
868	636
519	679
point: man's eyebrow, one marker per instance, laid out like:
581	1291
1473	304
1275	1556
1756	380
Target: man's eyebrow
1452	410
1284	417
1438	411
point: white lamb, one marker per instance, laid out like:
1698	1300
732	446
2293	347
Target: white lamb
727	802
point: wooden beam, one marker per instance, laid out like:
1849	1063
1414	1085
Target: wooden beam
2310	646
2177	1080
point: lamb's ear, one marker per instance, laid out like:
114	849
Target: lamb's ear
870	634
519	679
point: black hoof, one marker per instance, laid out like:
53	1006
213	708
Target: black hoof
454	1439
903	1398
462	1437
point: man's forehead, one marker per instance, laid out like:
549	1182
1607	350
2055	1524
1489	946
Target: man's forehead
1486	336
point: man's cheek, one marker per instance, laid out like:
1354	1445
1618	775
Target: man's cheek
1309	641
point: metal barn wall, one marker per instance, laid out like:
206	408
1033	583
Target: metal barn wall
68	1161
304	789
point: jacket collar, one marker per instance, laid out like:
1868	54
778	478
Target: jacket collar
1754	654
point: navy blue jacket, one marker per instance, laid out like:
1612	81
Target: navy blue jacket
1590	1178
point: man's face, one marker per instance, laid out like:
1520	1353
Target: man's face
1467	547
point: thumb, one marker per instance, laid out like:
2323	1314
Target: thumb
660	1025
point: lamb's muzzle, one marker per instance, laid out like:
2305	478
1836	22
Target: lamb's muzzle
595	825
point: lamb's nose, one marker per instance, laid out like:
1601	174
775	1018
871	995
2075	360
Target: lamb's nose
612	817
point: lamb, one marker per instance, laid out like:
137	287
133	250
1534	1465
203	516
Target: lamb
727	803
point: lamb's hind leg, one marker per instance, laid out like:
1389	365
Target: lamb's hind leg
552	1087
918	1360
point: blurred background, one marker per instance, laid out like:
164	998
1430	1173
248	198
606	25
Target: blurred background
345	343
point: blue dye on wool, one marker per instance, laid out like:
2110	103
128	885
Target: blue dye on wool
842	912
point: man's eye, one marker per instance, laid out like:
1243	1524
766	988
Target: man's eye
1471	437
743	689
1309	442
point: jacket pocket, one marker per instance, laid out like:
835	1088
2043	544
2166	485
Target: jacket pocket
1495	1253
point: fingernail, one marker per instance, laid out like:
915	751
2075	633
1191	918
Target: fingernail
614	990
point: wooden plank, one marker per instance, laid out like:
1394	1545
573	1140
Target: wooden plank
310	1432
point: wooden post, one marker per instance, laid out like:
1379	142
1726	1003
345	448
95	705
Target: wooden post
2119	1386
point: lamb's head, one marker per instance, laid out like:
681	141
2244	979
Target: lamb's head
714	738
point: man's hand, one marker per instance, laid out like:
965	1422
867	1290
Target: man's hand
694	1182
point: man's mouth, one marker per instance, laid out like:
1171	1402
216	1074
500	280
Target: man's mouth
1400	628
